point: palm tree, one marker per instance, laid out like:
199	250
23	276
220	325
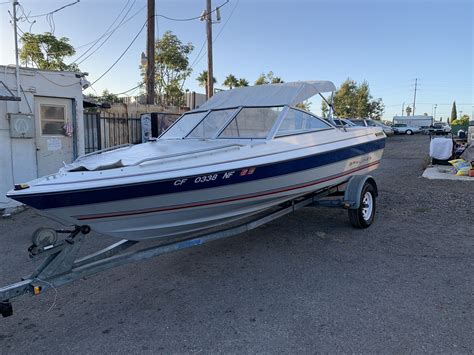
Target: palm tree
231	81
242	82
202	79
269	78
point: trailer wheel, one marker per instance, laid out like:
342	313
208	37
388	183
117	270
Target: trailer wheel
363	216
44	236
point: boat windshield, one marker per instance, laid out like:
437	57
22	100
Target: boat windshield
297	121
211	124
243	123
252	122
185	124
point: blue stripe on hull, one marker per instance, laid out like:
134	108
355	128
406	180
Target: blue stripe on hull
130	191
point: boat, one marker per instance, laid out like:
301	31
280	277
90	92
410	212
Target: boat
242	152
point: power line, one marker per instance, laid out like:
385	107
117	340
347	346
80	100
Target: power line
157	15
105	40
58	9
135	87
122	22
192	18
202	47
121	55
106	33
199	53
53	82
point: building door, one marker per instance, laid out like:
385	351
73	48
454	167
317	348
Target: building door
54	130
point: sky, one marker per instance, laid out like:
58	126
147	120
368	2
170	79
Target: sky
388	43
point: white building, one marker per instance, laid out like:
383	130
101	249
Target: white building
43	130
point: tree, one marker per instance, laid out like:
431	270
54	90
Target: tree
231	81
408	110
268	78
376	109
171	68
261	80
464	120
274	79
46	51
454	112
202	79
242	82
110	98
354	100
306	105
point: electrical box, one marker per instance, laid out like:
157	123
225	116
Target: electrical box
155	123
146	126
22	125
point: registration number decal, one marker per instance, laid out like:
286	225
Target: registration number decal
213	177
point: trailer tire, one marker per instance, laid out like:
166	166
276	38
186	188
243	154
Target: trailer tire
363	216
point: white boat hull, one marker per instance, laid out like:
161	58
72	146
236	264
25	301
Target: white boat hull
178	214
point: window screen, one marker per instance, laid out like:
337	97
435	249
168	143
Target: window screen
210	125
252	123
297	121
53	119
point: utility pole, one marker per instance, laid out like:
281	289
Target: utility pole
434	114
15	3
150	53
414	96
210	74
403	108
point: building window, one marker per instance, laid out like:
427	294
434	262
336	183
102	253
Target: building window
53	119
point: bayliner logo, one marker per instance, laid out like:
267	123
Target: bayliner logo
360	161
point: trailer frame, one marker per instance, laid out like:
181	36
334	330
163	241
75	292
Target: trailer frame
61	265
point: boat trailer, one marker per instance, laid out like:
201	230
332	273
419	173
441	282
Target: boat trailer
62	266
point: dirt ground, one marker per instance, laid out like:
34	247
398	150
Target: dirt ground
307	282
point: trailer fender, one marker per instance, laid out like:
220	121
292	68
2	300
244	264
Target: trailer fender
354	190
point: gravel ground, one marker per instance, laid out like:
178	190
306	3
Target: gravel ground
307	282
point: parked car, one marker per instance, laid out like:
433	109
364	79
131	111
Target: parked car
403	128
343	122
439	128
365	122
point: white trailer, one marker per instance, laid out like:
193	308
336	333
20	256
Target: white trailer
420	121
